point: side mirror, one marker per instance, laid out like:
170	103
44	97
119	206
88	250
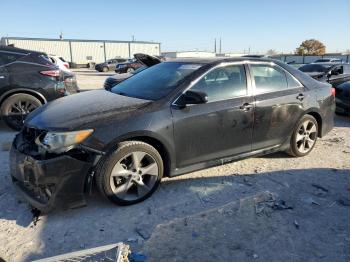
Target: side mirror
192	97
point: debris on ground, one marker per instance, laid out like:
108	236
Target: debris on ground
296	224
266	203
137	257
143	231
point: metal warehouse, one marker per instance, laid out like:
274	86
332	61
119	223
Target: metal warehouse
84	51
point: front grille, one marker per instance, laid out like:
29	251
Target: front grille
25	141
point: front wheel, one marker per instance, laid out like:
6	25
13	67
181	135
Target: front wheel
130	70
105	69
15	109
304	136
131	174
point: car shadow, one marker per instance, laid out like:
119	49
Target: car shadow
102	222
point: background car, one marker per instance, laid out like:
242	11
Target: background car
109	65
338	75
173	118
28	80
128	67
144	59
328	60
60	62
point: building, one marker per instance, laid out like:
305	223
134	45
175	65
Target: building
80	51
187	54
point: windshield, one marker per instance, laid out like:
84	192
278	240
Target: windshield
314	68
156	81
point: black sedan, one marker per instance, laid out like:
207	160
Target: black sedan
338	75
28	80
168	120
109	65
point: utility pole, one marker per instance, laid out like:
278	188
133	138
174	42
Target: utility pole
215	45
220	45
133	38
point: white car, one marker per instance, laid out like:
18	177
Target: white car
60	62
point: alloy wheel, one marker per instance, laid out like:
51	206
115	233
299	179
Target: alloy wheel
18	111
306	136
134	175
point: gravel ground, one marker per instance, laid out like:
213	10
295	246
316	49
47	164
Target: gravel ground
323	224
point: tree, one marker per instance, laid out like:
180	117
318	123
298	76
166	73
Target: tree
271	52
311	47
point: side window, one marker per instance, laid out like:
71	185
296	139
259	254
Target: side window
223	83
268	78
291	81
6	58
338	70
346	69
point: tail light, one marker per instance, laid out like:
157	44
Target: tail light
51	73
66	65
333	91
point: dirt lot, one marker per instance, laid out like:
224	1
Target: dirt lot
269	208
91	79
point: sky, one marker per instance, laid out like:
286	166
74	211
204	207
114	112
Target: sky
258	25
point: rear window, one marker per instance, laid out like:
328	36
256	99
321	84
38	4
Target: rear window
8	57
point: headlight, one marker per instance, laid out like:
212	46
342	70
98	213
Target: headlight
59	142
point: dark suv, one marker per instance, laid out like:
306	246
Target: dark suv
109	65
28	80
338	75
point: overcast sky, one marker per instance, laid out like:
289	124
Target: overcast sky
185	25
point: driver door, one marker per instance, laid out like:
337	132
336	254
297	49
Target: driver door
219	128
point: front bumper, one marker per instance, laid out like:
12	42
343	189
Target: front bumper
57	182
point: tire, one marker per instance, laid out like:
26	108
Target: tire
130	183
304	137
15	109
105	69
130	70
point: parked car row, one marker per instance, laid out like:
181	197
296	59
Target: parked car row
338	75
29	79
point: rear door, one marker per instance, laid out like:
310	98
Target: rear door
222	126
279	103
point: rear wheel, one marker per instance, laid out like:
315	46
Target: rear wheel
15	109
131	174
304	136
105	69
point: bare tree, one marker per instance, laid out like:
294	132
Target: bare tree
271	52
311	47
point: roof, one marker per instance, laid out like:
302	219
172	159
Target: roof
18	50
78	40
208	60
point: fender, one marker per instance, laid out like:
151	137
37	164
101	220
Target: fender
22	90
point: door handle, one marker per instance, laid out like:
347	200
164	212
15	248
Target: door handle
300	97
246	107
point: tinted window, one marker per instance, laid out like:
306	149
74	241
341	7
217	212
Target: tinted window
155	82
268	78
223	83
6	58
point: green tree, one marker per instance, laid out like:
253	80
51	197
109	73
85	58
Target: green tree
311	47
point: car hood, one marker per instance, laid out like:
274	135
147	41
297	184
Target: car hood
71	112
315	75
121	76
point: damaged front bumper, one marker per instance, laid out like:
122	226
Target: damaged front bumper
49	182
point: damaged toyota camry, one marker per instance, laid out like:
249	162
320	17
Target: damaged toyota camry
173	118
